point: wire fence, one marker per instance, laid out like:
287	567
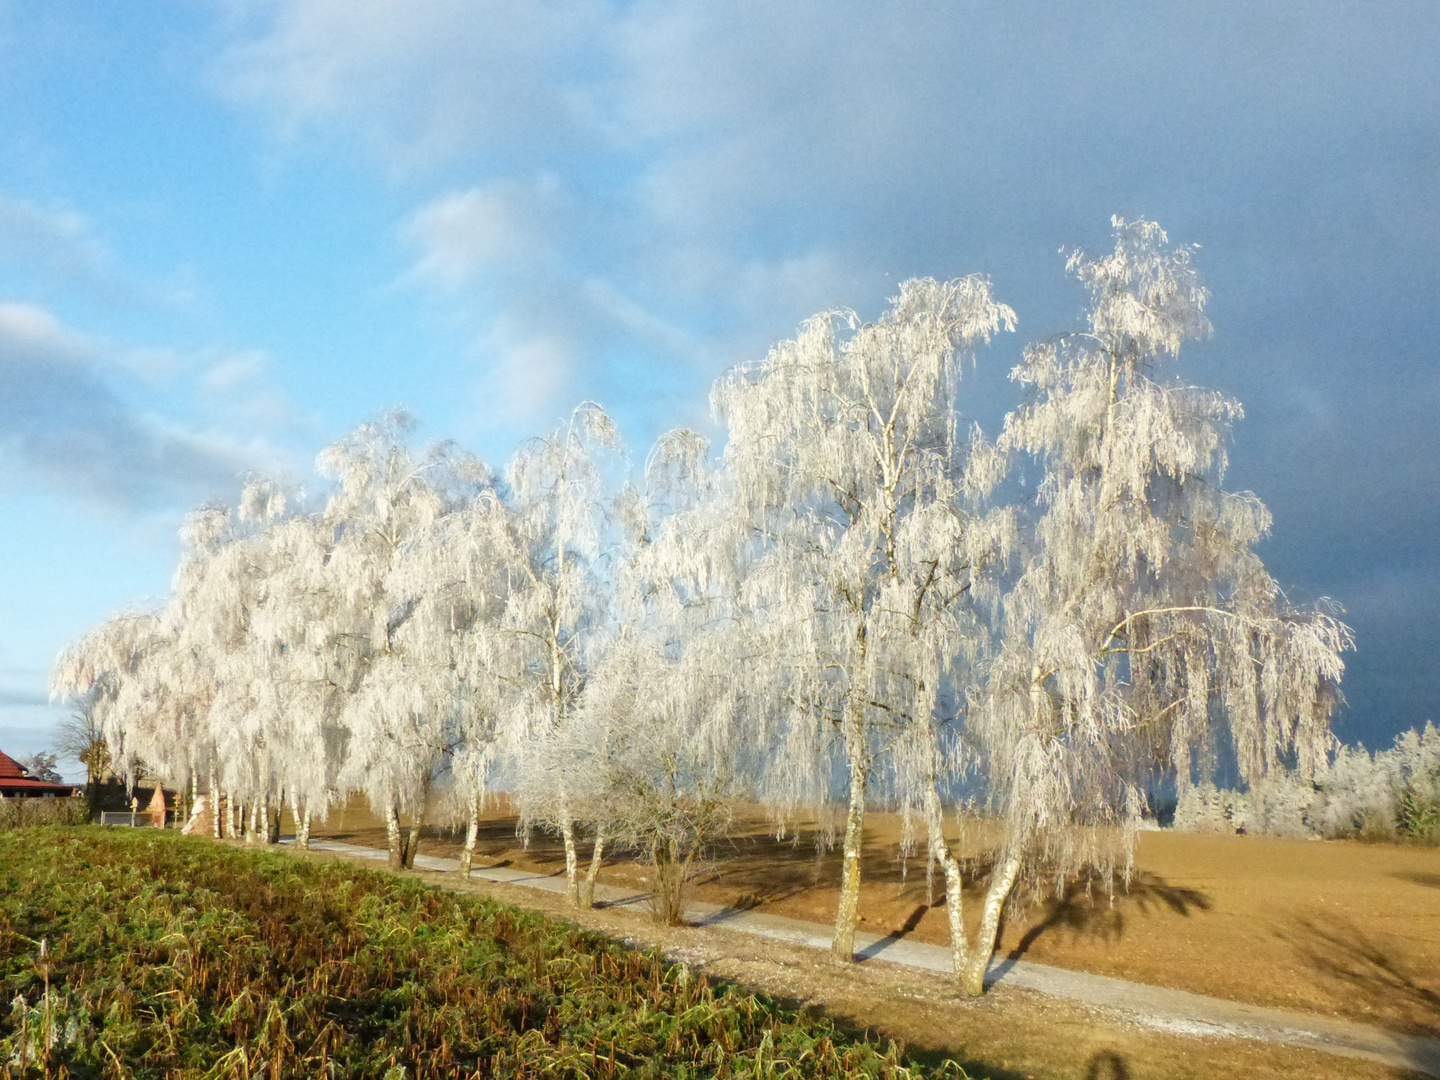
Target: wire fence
140	819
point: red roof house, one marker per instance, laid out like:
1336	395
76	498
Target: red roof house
15	779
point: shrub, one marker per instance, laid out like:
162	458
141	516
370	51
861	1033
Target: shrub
23	813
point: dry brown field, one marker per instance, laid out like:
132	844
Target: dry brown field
1342	928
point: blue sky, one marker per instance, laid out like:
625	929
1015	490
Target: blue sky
231	231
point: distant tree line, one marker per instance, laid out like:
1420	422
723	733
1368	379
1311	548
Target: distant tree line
861	598
1390	795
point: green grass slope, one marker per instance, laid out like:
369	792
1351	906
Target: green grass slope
143	954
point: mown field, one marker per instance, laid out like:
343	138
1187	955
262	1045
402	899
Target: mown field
142	954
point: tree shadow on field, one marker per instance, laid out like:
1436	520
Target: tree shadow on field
1085	909
1431	881
757	865
1346	958
1107	1065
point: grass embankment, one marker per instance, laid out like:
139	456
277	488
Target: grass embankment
152	955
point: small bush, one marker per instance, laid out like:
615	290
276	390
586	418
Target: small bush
23	813
1419	817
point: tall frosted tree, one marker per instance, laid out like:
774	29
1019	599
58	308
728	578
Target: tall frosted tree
455	573
854	474
556	621
398	712
228	602
1143	628
664	716
125	665
289	656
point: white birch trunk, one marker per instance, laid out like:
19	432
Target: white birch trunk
417	821
848	915
392	835
941	852
973	982
295	815
572	861
597	856
472	833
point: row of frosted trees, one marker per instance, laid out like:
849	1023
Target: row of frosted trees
860	599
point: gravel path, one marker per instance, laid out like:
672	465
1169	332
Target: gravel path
1175	1011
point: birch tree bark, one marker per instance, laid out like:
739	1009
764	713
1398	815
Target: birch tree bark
472	833
392	836
597	857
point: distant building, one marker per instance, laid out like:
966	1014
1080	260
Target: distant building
15	780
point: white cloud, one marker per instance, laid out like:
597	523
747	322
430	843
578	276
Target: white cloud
510	261
505	226
528	374
232	373
237	388
56	238
419	83
65	421
28	327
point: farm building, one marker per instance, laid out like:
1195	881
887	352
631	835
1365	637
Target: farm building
15	780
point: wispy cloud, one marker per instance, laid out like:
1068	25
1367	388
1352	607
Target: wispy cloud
418	86
64	422
57	238
505	227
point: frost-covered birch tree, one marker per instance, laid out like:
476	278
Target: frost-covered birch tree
854	478
663	714
224	587
290	657
556	620
1143	628
121	665
456	573
399	711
